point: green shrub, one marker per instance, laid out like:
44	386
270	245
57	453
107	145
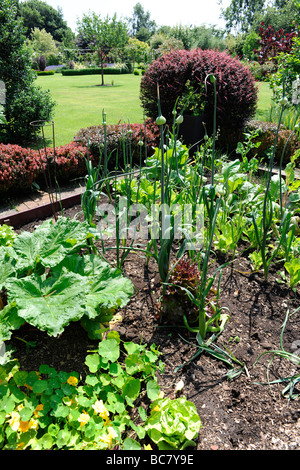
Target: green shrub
95	71
45	72
25	102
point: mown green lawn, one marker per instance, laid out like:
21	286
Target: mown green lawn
264	100
80	101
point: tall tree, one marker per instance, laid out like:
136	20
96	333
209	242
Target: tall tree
142	27
25	102
102	35
38	14
240	14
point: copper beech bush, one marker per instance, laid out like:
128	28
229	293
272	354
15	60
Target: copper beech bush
235	86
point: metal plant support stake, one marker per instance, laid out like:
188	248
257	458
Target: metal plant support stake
51	189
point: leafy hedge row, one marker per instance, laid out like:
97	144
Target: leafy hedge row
95	71
20	167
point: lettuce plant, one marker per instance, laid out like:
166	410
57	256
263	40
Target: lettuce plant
173	424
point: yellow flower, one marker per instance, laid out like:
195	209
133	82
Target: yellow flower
148	447
156	408
101	410
38	408
14	421
72	380
24	426
83	418
108	438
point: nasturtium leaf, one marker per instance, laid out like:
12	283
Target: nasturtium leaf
152	390
53	429
46	441
26	413
60	411
40	386
91	380
20	378
142	413
133	364
109	350
131	390
62	438
131	444
93	362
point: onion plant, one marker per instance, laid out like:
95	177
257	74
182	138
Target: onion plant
293	380
262	233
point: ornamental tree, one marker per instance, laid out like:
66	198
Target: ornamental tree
272	43
103	36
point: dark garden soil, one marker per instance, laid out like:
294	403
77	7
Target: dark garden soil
244	413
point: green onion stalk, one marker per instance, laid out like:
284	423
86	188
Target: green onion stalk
267	214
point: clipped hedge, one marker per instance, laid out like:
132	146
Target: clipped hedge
95	71
45	72
20	167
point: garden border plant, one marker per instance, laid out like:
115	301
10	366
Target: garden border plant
50	410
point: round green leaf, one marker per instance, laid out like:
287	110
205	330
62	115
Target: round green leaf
109	350
131	444
153	390
93	362
40	386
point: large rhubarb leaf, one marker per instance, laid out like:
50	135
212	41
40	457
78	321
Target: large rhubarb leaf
27	246
107	289
7	265
50	242
66	236
49	304
79	286
9	320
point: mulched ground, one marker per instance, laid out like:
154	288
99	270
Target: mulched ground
237	414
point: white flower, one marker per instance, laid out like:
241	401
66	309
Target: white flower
179	386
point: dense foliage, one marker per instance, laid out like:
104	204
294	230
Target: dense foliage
20	167
236	90
25	102
120	140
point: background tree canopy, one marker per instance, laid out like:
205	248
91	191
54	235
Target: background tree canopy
38	14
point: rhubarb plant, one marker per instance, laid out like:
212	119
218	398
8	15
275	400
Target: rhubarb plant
48	278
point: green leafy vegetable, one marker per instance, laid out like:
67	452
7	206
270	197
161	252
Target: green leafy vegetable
173	424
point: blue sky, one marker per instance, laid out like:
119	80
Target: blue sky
164	12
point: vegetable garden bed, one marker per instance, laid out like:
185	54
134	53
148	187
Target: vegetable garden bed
237	414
